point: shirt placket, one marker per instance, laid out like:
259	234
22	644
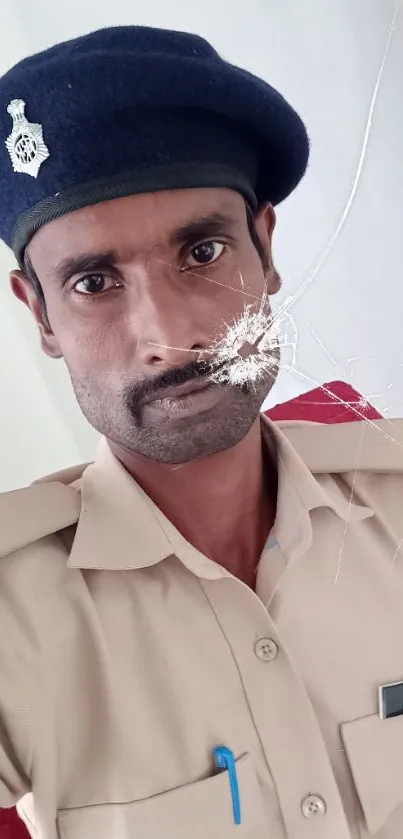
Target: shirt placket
282	713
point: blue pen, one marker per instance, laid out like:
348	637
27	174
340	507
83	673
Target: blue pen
224	759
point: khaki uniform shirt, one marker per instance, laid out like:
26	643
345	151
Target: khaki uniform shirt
127	656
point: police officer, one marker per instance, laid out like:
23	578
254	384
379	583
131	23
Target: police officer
201	630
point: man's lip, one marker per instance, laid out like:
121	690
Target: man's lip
180	390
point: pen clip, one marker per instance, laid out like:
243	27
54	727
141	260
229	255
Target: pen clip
224	759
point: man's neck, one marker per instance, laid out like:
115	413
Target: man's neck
224	505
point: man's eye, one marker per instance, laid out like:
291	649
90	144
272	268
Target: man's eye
205	253
93	284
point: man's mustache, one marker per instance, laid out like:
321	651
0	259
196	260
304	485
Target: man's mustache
137	395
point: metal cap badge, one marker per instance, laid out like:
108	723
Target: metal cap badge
25	144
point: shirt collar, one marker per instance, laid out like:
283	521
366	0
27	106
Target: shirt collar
121	528
300	492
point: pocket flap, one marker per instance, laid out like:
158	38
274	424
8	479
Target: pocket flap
375	753
194	811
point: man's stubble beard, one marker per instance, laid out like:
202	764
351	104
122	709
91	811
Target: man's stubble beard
175	442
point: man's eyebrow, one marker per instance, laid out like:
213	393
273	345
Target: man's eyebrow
212	224
84	262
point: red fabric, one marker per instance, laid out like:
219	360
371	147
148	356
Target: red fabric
333	402
11	826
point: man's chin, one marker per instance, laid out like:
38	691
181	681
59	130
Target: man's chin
179	440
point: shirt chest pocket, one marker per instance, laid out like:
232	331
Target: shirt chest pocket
195	811
375	753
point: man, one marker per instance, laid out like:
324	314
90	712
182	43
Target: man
201	631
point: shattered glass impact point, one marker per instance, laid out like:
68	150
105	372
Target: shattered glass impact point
249	349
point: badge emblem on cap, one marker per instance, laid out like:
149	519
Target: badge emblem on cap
25	144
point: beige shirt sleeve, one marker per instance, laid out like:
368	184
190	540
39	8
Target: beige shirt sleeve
16	683
13	783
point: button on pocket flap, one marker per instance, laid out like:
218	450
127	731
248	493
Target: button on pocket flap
194	811
375	753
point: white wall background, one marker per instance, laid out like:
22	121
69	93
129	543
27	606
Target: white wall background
339	237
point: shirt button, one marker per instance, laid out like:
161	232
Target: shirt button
313	807
266	649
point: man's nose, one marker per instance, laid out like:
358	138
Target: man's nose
176	352
174	326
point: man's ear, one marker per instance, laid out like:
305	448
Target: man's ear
24	291
265	222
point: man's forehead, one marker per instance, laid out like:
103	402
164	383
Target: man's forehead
150	218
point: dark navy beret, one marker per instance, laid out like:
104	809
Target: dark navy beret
134	109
